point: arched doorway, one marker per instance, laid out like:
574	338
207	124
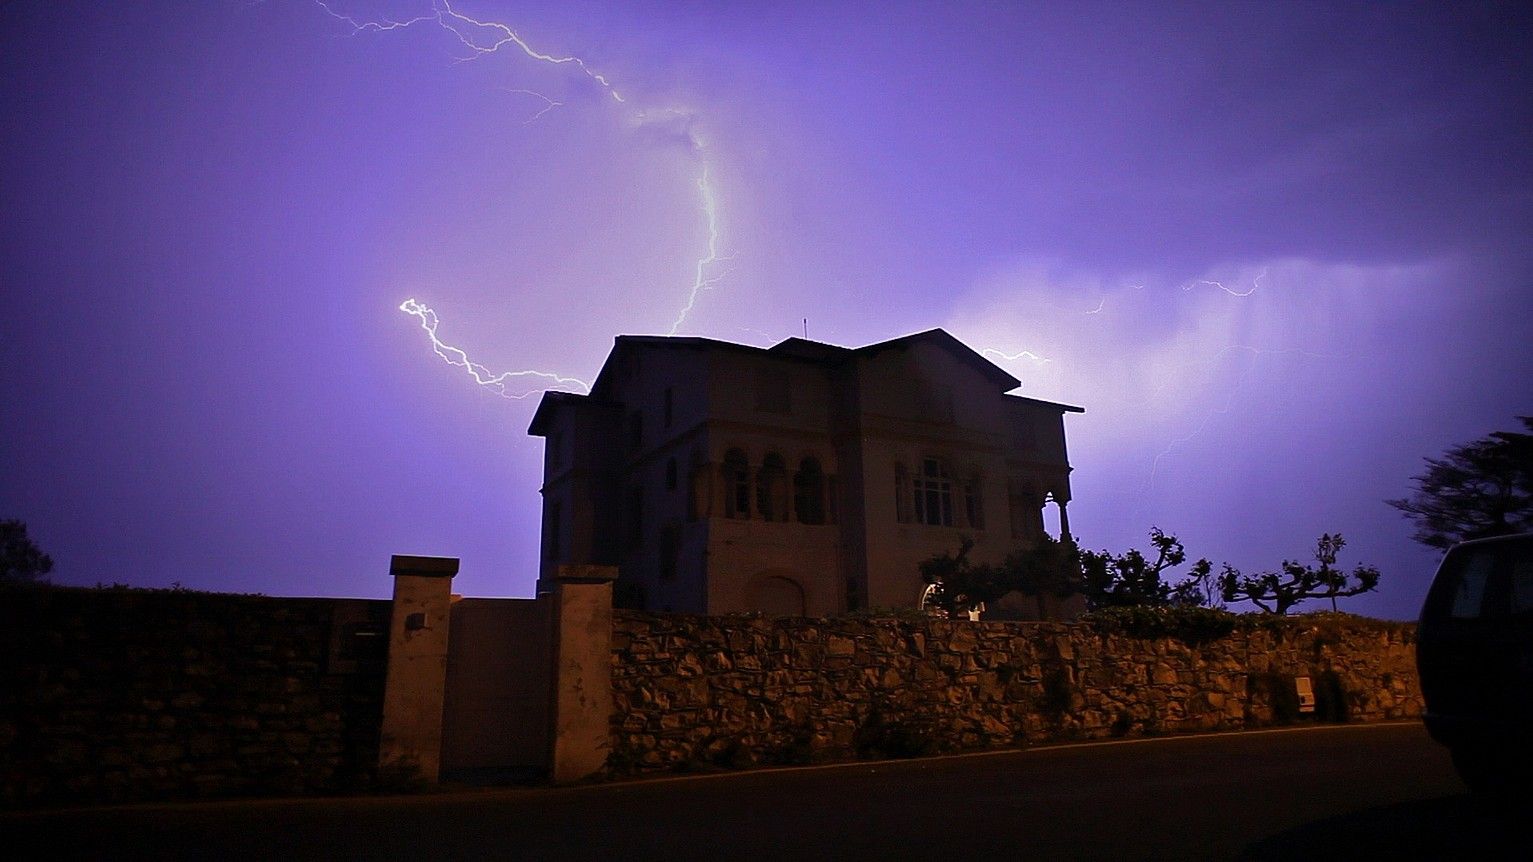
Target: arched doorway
776	593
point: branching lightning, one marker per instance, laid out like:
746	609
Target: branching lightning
1229	399
501	384
464	29
548	104
481	37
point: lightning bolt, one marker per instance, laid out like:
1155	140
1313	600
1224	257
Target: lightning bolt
1013	357
1229	398
465	29
549	104
701	281
500	384
1255	283
480	38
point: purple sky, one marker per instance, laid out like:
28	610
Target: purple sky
1279	252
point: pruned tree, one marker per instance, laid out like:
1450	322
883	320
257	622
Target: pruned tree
959	585
1278	593
1132	579
1477	489
21	561
1047	567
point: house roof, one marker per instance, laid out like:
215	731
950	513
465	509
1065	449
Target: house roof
1066	408
960	351
551	401
803	350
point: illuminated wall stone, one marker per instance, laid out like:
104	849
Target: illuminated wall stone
699	692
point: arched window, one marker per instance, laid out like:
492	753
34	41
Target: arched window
772	489
974	501
809	492
737	485
934	494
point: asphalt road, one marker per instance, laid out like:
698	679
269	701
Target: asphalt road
1359	792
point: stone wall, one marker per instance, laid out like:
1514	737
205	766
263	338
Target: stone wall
114	695
699	692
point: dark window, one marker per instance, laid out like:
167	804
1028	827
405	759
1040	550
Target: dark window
1473	579
635	517
772	393
933	496
737	485
1522	583
635	430
772	489
556	448
670	474
809	492
974	502
668	403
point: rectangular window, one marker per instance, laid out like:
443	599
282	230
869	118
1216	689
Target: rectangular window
556	448
933	495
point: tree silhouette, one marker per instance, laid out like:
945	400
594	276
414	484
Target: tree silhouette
21	561
1477	489
1131	579
958	585
1277	593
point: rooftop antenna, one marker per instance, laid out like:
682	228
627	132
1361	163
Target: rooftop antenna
806	329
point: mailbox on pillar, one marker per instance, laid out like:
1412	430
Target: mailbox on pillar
1306	692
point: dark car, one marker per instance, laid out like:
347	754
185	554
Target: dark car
1475	653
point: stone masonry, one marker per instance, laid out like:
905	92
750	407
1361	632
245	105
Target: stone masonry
706	692
111	695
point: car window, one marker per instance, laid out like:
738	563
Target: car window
1474	572
1522	583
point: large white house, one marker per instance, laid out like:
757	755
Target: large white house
800	479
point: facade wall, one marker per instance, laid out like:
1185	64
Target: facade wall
748	690
970	431
670	523
115	695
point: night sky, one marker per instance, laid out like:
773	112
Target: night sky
1279	252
